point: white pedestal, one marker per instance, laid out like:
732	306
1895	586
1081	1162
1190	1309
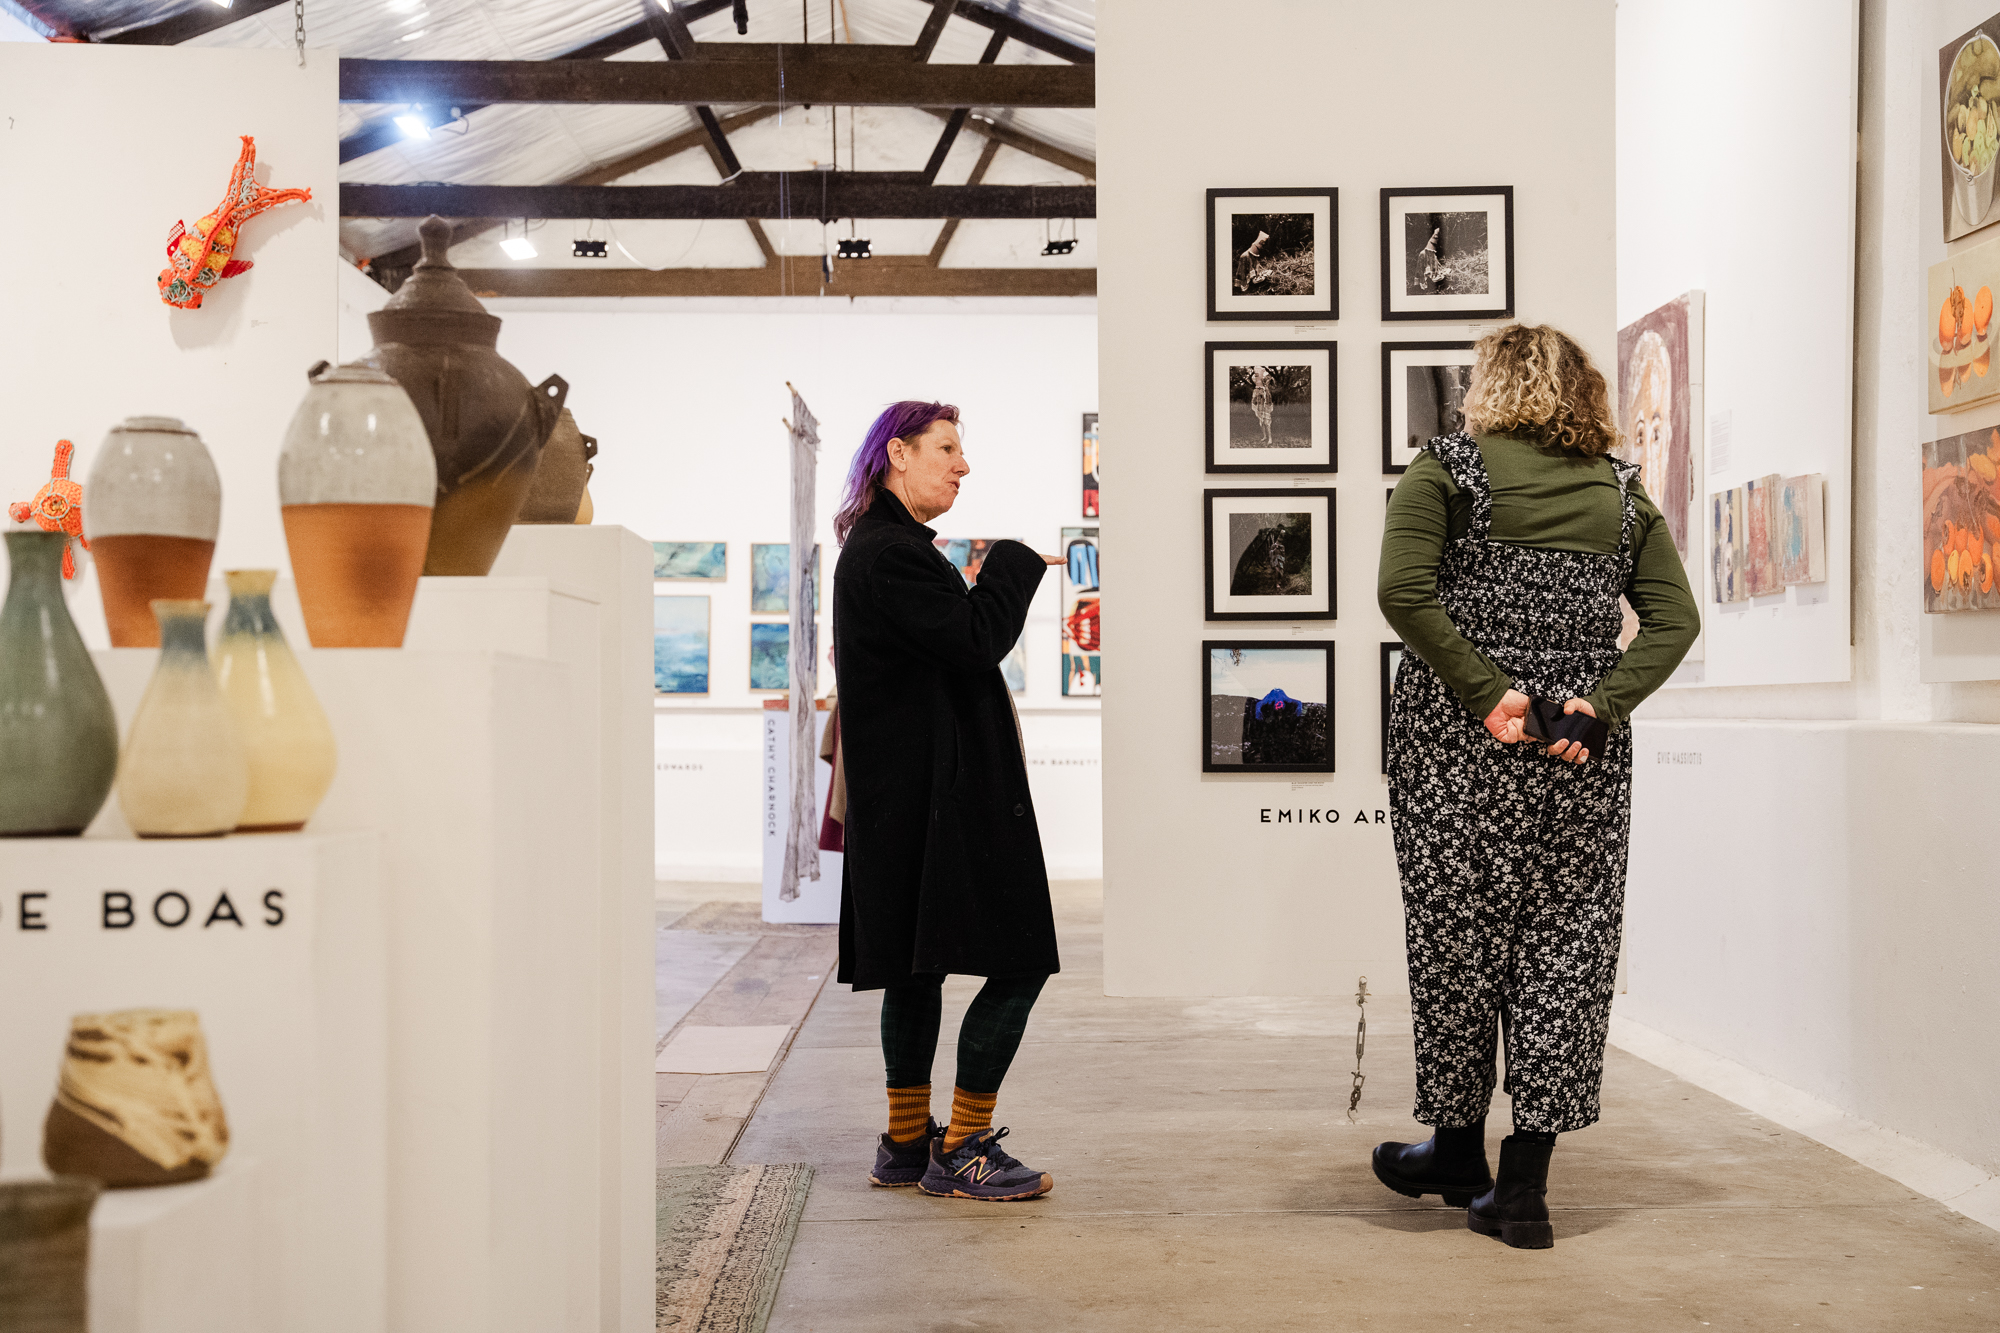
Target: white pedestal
818	900
614	567
178	1259
280	947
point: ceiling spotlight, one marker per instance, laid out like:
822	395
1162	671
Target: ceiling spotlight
589	250
412	36
413	126
856	249
1059	247
518	247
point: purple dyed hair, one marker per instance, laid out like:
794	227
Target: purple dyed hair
899	421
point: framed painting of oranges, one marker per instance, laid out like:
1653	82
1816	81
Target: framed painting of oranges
1962	522
1959	369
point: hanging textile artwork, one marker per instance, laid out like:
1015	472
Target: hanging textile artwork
57	507
801	864
199	257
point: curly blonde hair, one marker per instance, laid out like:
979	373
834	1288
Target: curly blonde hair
1536	384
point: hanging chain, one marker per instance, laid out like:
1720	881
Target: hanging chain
1360	1048
299	29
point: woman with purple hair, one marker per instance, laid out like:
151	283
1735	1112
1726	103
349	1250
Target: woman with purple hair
943	870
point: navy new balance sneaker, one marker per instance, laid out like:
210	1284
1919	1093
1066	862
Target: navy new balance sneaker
901	1164
979	1169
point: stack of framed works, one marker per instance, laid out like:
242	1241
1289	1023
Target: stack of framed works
680	645
966	556
1082	642
1270	407
1267	706
1274	254
1767	535
1270	554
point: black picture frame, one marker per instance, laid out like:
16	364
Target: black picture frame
1282	495
1208	738
1459	314
1329	309
1210	351
1391	659
1390	388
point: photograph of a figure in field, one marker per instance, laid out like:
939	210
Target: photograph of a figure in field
1270	555
1270	407
1272	254
1445	254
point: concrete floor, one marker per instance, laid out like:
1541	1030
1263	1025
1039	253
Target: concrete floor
1207	1178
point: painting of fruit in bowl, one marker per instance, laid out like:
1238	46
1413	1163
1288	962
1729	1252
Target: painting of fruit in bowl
1962	522
1959	332
1969	127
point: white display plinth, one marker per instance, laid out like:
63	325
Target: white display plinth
278	942
614	567
172	1260
819	899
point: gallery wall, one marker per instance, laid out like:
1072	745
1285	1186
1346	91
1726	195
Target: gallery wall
1206	893
685	398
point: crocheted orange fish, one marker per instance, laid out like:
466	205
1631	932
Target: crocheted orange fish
201	257
57	507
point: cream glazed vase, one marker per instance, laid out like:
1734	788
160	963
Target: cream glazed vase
283	730
153	504
356	480
183	774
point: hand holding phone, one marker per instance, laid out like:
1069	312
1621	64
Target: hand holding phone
1572	736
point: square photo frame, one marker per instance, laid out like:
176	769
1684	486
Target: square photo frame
1269	554
1423	395
1274	254
1392	660
1267	706
1448	253
1270	406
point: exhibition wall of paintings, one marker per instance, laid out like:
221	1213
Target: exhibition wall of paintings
1274	254
1082	641
1091	465
1270	406
1959	332
1962	522
680	645
1423	397
1269	554
1448	253
1267	706
1660	410
702	561
966	556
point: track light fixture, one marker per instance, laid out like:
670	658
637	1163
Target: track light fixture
589	249
856	248
1059	247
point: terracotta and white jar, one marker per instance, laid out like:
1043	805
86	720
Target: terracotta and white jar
357	481
153	506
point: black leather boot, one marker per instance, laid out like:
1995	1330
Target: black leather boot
1516	1209
1452	1163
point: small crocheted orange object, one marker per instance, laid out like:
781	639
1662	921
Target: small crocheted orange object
200	257
57	507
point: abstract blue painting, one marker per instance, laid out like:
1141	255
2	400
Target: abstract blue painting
770	657
680	645
771	579
690	560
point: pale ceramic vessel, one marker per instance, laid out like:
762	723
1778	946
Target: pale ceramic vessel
153	505
356	480
283	730
183	774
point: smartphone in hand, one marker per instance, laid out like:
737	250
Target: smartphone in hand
1546	722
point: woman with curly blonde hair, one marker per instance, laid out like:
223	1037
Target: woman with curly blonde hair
1507	549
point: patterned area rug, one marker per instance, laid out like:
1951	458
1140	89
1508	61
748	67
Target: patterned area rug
722	1237
727	918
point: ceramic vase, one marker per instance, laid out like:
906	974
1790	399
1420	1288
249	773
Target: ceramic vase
486	423
135	1104
560	478
183	773
58	735
287	744
154	505
356	480
45	1254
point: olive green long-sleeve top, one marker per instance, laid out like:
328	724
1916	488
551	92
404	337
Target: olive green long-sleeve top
1565	504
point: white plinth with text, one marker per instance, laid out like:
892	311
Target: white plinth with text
819	899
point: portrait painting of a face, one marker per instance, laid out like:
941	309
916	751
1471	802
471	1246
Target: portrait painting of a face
1659	380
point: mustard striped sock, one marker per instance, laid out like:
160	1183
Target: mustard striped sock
970	1113
909	1113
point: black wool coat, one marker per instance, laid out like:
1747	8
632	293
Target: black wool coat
943	870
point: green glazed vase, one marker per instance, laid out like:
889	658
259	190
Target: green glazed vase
58	735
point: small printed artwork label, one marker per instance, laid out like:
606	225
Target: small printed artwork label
1309	815
144	909
1677	757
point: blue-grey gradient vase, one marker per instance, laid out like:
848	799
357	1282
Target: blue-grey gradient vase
58	735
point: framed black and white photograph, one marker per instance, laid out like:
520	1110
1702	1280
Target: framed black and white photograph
1274	254
1270	554
1392	661
1423	396
1448	253
1267	706
1271	407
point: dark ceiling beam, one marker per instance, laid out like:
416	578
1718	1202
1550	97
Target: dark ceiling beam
188	24
1013	138
677	43
927	38
795	275
693	82
956	121
1025	33
754	194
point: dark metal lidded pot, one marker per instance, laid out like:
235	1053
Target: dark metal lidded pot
486	423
